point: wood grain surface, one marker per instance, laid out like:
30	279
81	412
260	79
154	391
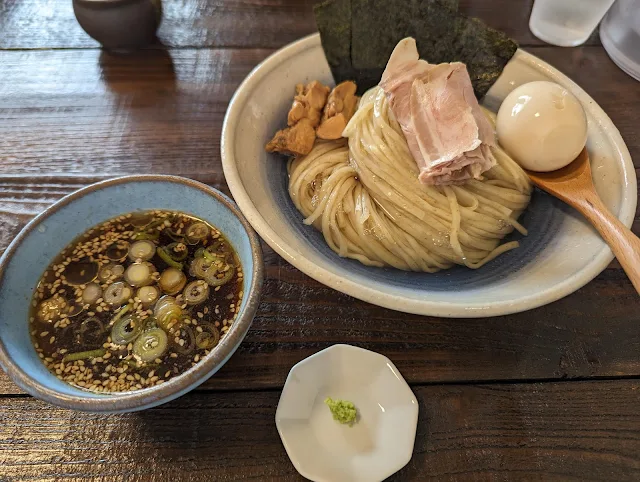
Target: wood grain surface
550	394
37	24
551	431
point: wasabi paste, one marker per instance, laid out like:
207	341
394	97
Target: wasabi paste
343	411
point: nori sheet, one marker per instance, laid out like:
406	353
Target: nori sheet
484	50
333	18
358	37
377	26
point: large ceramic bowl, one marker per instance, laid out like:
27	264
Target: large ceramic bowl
43	238
561	253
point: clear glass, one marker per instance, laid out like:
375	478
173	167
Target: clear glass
620	35
566	23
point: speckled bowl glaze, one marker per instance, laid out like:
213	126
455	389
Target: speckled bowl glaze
46	235
561	254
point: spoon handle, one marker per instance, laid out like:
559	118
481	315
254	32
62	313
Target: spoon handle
624	244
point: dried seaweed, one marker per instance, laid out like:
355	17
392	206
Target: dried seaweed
358	37
377	27
333	18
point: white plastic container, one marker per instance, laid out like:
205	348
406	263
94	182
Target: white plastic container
566	23
620	35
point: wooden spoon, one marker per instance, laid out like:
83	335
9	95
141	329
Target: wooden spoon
573	184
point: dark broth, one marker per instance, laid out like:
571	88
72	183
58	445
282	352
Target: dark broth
96	334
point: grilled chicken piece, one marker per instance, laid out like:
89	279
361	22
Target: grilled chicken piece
297	140
303	118
338	111
308	103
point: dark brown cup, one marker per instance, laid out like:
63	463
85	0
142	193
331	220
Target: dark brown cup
119	24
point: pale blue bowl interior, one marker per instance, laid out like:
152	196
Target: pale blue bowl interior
51	235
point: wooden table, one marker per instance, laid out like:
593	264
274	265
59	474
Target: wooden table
553	393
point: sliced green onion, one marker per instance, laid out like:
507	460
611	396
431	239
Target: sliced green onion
72	308
90	331
125	330
148	295
208	256
139	274
197	232
172	281
155	224
208	338
120	314
213	280
177	255
150	345
83	355
81	272
216	246
117	294
111	272
167	313
140	220
142	235
117	251
196	292
200	267
91	294
179	238
185	334
142	250
166	257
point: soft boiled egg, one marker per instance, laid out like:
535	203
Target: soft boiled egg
542	126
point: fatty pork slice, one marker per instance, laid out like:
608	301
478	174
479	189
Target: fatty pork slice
446	131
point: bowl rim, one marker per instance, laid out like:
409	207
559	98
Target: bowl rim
175	387
371	295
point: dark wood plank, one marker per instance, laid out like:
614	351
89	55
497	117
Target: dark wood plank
69	118
33	24
561	431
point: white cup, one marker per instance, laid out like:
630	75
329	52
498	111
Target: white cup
566	23
620	35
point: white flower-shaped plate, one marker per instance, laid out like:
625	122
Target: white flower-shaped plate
321	449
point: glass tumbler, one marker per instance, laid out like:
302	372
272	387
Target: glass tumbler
620	35
566	23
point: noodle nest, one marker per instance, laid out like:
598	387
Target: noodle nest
363	194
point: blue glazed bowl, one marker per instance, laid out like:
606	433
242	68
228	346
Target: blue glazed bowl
45	236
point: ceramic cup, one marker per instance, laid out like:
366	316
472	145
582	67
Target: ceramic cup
119	24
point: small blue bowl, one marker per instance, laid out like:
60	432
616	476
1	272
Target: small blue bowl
45	236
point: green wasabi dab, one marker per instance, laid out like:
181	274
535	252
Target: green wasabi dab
343	411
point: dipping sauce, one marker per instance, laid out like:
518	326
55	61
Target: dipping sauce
135	301
542	126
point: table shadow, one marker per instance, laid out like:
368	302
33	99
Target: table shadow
122	72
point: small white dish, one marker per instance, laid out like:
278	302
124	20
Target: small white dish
322	449
562	252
